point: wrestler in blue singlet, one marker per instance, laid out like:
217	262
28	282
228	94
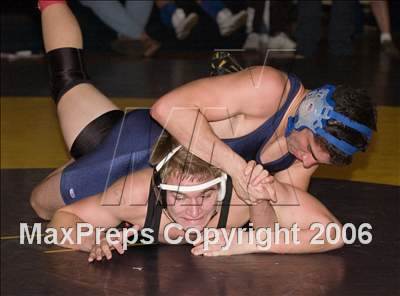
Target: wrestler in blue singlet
128	147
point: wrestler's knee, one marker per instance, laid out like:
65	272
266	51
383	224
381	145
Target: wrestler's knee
38	204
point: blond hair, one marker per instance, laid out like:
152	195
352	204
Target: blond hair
183	164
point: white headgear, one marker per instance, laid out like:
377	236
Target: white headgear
220	180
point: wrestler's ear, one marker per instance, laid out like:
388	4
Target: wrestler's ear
308	160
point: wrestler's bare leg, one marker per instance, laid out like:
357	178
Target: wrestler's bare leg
83	103
76	109
46	196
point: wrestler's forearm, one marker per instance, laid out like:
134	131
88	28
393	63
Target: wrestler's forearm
60	28
263	215
66	220
285	193
190	127
301	245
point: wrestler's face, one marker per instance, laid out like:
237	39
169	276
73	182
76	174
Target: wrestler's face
303	146
191	209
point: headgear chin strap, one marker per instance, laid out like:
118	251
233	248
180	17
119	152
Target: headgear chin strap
179	188
314	113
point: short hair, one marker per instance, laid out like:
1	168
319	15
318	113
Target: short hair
358	106
183	164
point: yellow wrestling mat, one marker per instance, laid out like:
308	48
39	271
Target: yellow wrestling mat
30	138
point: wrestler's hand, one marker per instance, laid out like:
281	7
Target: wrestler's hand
258	184
104	248
217	245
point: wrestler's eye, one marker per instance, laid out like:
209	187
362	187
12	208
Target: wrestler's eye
178	196
206	195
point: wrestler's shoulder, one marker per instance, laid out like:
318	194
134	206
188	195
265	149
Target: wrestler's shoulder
267	78
268	72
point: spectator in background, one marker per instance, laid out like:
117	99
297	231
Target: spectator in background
268	25
380	11
129	21
341	27
176	18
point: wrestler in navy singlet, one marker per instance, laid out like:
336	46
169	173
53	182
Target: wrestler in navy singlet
128	147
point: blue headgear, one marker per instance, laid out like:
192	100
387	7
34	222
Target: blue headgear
315	111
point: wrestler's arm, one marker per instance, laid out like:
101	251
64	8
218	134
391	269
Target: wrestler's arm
302	209
296	176
307	211
291	187
295	205
104	209
186	112
262	214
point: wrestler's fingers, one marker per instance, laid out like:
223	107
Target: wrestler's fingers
105	248
213	234
117	245
257	170
260	178
247	202
249	167
214	250
254	203
99	253
198	250
92	255
199	242
205	236
118	242
267	192
268	179
255	194
272	192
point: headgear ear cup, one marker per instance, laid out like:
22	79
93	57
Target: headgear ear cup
222	189
314	112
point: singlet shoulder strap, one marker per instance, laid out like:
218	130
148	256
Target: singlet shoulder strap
223	217
154	212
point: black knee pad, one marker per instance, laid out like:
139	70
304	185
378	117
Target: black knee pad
94	133
223	63
67	69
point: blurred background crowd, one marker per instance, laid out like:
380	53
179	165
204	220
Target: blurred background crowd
148	28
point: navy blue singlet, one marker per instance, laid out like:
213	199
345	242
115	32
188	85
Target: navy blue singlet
128	146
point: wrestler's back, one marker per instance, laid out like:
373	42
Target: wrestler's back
128	147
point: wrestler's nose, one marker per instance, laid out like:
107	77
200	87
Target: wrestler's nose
194	209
